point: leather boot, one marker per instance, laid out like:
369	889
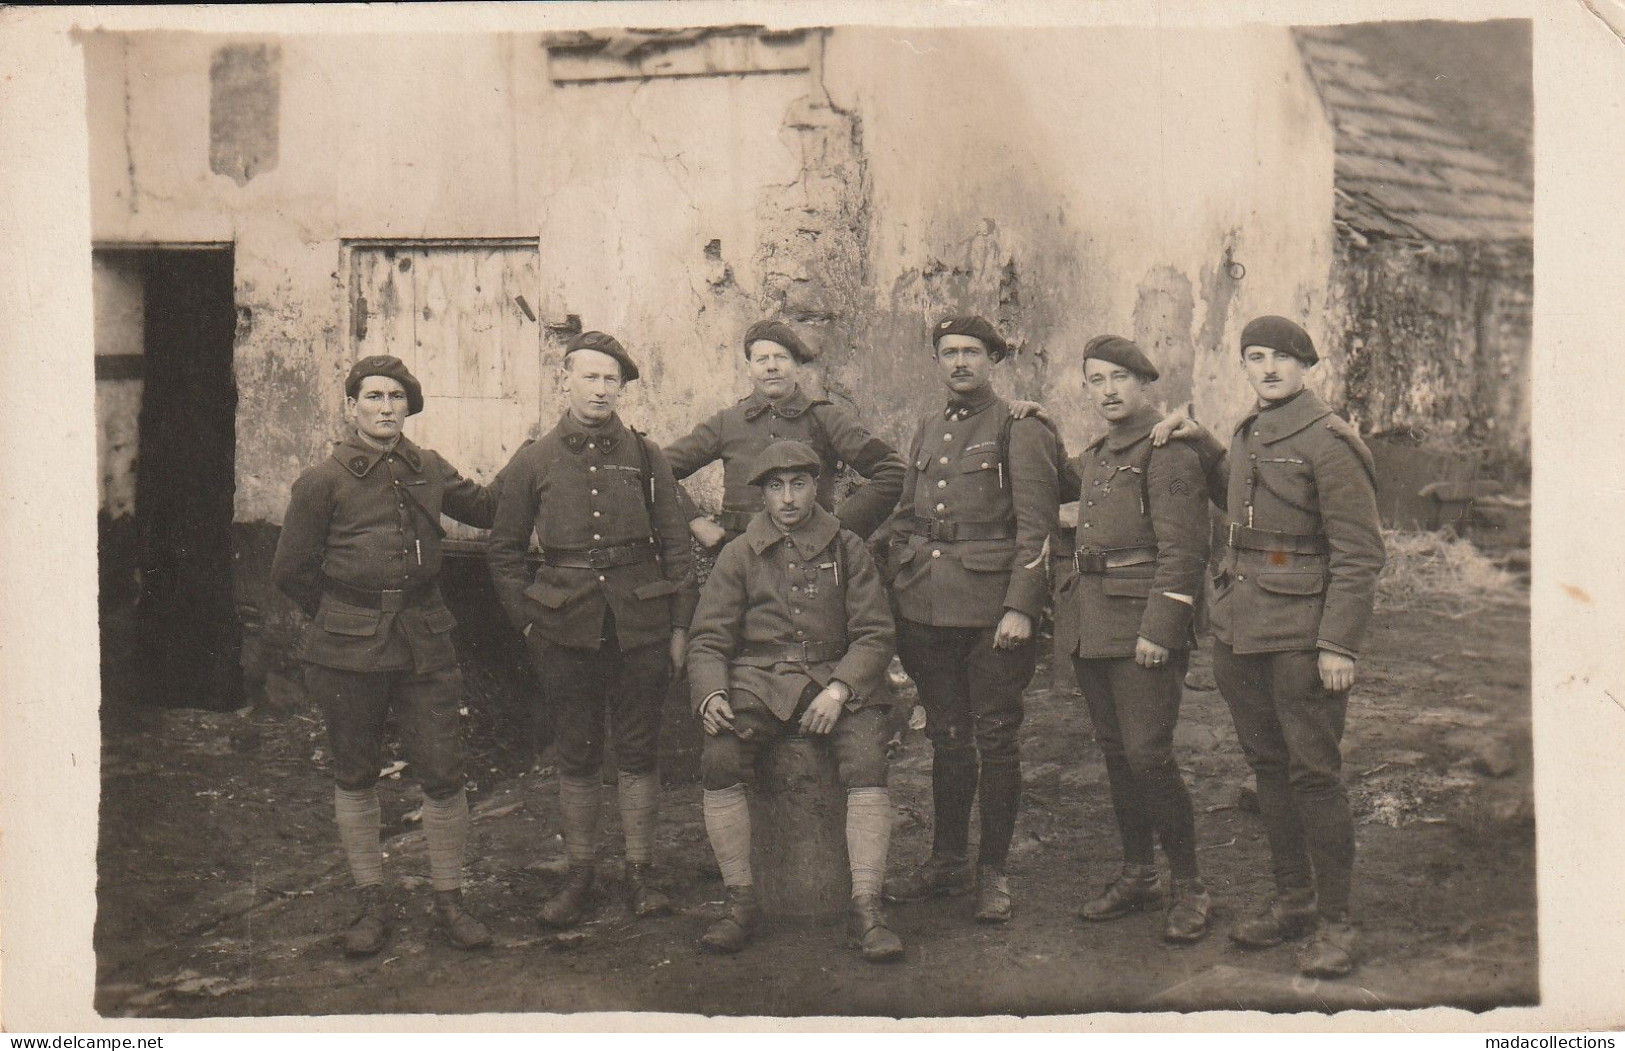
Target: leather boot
993	901
460	927
939	876
1331	952
368	932
643	897
1288	916
738	925
1136	887
866	930
568	905
1187	919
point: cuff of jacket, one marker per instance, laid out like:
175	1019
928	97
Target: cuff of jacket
1322	644
704	679
683	604
1167	622
1027	591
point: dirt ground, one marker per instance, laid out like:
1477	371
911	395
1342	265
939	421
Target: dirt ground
221	888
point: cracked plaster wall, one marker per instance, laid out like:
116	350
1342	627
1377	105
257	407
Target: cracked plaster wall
1069	183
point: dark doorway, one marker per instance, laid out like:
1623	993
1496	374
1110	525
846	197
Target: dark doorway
171	568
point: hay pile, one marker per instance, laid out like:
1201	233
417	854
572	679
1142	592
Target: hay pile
1441	572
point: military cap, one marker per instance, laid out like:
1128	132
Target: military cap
784	456
604	343
1278	333
1120	351
972	325
783	335
395	369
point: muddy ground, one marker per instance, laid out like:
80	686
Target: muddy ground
221	887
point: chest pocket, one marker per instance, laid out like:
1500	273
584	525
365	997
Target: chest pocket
1289	480
981	474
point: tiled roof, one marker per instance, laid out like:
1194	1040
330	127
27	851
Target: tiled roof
1402	170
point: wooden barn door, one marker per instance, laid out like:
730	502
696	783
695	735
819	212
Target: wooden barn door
462	315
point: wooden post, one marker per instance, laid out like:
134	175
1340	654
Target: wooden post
798	834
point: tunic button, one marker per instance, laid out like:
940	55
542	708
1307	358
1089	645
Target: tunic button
792	565
936	553
592	445
1255	434
942	507
943	460
1241	576
1086	525
800	632
598	514
595	492
797	612
595	536
794	588
592	468
1091	503
942	483
600	576
947	437
985	465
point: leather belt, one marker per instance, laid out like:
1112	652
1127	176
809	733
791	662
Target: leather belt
1246	538
1112	558
800	652
600	557
390	600
938	529
734	521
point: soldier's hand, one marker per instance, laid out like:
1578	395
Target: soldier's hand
820	716
1148	654
679	651
1336	671
1015	628
1175	425
707	532
717	715
1020	410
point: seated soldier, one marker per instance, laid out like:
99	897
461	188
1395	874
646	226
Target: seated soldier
793	636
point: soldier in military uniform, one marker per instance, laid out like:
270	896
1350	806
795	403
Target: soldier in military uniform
778	409
1293	592
360	554
970	577
606	614
1127	597
793	634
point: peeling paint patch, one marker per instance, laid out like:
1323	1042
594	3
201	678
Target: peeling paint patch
244	110
1164	310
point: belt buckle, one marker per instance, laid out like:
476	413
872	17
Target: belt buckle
593	556
806	652
392	600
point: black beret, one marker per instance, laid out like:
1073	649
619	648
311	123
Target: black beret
604	343
972	325
1120	351
1278	333
783	335
784	456
395	369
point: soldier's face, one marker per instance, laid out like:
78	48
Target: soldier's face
1115	392
592	382
773	369
379	407
1274	374
789	496
966	365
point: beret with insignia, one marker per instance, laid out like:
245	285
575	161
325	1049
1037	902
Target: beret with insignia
395	369
973	325
604	343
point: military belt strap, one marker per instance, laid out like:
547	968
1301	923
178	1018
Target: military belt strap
600	557
938	529
1246	538
391	600
796	652
1112	558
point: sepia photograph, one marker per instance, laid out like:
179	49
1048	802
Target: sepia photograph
792	516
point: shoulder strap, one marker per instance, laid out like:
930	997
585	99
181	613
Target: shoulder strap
1004	443
824	445
646	469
